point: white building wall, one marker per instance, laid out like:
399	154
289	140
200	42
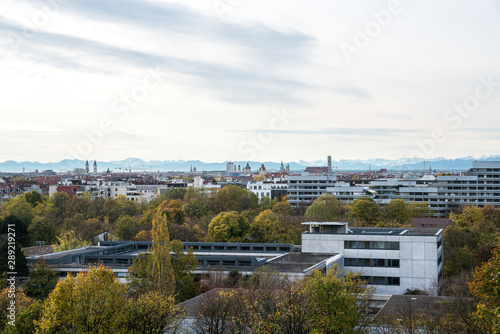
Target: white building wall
417	255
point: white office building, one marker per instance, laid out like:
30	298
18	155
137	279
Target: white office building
391	259
305	188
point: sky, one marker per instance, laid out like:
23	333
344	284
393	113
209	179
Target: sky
218	80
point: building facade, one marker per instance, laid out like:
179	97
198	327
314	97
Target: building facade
391	259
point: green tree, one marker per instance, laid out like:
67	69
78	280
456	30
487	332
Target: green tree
42	280
21	264
150	313
228	227
421	209
91	302
20	227
22	303
234	198
195	203
183	266
19	207
69	240
271	227
160	273
336	302
325	208
34	198
127	227
365	210
397	212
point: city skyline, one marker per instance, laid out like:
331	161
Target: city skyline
241	80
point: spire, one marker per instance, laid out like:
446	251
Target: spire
95	166
86	166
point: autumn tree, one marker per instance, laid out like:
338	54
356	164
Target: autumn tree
160	273
486	289
270	227
420	209
91	302
150	313
234	198
325	208
195	203
365	210
283	208
336	302
228	227
397	213
42	280
127	227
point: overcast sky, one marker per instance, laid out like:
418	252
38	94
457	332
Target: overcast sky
248	79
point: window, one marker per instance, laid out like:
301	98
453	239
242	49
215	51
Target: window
352	244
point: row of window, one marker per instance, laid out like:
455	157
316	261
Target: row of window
356	244
381	280
353	262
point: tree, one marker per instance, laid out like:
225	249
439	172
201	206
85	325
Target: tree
325	208
42	280
486	289
19	207
21	264
228	227
365	210
196	204
34	198
160	273
283	208
150	313
69	240
271	227
22	302
469	216
91	302
337	303
20	227
421	209
234	198
127	227
183	266
397	212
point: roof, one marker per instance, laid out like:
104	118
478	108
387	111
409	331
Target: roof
296	262
399	306
316	169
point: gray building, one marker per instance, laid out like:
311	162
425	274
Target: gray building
391	259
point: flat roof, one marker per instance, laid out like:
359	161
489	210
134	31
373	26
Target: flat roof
296	262
401	231
325	223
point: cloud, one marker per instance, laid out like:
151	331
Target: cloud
26	127
230	82
339	131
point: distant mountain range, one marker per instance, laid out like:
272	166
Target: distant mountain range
440	164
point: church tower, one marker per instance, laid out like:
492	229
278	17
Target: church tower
86	167
95	166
